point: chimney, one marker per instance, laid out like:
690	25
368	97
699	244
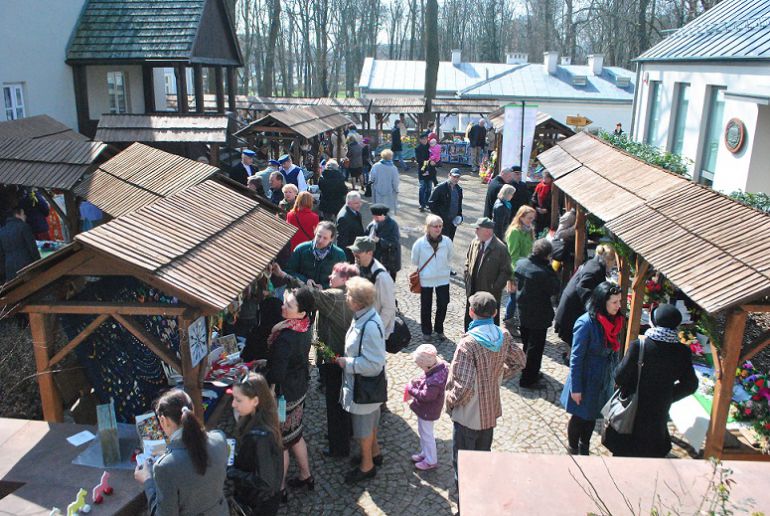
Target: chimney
596	63
456	57
550	60
516	58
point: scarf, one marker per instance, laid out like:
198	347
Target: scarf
486	333
298	325
434	243
662	334
542	191
387	162
611	329
320	254
507	204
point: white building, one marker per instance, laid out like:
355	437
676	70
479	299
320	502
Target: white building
604	94
704	93
76	59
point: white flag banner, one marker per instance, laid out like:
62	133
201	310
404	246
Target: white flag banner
518	136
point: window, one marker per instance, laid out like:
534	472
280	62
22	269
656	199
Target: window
14	101
653	119
680	118
116	91
716	107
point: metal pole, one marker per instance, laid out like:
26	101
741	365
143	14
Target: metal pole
525	172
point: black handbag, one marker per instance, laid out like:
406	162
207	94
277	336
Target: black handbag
369	389
401	336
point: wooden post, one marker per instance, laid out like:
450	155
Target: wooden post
81	99
637	300
198	88
555	206
499	152
625	281
148	85
580	236
182	104
219	79
72	214
190	374
723	390
42	341
231	89
214	154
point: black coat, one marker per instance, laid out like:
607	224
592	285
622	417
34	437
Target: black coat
395	139
258	468
536	282
349	226
667	376
576	294
478	136
520	198
17	247
440	200
421	155
493	188
288	364
333	190
501	216
238	173
388	251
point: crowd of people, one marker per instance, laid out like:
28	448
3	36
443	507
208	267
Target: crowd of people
336	280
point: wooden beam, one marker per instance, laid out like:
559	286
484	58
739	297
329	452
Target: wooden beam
753	456
86	307
735	328
72	214
42	342
198	88
214	149
148	86
44	278
81	97
219	81
231	89
580	236
637	300
270	129
762	344
192	385
554	206
83	335
756	308
152	343
182	102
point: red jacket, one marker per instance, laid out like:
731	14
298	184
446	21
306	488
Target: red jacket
306	220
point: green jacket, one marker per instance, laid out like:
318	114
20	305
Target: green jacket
519	245
334	315
303	265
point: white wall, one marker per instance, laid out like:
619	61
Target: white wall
99	102
35	34
732	172
759	171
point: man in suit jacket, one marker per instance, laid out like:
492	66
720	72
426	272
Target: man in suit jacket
243	170
487	266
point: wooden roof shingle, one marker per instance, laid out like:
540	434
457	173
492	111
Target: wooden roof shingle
166	127
40	127
306	121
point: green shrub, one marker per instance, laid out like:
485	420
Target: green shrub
649	154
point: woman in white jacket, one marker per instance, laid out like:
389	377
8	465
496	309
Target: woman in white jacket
431	255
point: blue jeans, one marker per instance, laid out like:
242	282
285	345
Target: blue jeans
397	157
510	309
426	187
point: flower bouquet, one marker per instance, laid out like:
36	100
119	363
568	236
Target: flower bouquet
326	354
756	409
689	339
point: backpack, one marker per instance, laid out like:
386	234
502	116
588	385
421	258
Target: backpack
401	336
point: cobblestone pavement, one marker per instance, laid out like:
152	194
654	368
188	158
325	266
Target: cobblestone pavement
533	420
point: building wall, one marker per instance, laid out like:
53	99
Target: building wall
732	171
98	101
35	34
759	175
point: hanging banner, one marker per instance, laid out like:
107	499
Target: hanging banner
518	135
196	335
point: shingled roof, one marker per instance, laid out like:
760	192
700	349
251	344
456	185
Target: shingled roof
193	31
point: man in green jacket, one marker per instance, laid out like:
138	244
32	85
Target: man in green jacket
312	262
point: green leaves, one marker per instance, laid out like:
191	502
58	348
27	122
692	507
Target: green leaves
649	154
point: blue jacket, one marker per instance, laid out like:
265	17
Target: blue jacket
17	247
591	366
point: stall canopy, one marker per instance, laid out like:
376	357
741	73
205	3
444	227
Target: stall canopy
306	121
138	176
40	127
167	127
465	106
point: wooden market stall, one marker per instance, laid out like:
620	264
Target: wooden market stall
687	232
39	127
204	246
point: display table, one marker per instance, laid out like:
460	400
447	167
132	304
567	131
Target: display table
36	471
509	483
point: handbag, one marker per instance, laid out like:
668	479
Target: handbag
620	412
369	389
401	336
414	277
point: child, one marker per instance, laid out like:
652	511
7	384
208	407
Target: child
435	152
427	394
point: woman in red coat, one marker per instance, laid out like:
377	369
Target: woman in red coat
304	218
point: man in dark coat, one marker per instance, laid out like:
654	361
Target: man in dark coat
521	197
333	190
446	201
395	144
243	170
477	136
536	282
314	260
384	231
667	377
493	188
349	224
422	156
17	244
275	194
487	266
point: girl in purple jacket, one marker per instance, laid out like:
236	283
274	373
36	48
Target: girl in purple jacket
427	395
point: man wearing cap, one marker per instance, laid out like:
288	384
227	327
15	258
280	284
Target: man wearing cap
484	356
349	223
487	266
370	268
446	201
292	173
385	233
315	260
493	189
243	170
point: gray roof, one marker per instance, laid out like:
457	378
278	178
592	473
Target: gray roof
137	30
733	29
498	81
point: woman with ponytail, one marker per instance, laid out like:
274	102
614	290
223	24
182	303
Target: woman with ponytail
190	477
258	469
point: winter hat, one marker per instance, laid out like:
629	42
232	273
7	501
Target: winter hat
425	355
667	316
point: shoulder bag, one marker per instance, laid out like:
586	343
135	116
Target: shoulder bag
620	412
369	389
414	277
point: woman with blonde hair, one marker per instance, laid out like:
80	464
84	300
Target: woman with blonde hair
502	211
519	238
303	218
290	193
431	255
